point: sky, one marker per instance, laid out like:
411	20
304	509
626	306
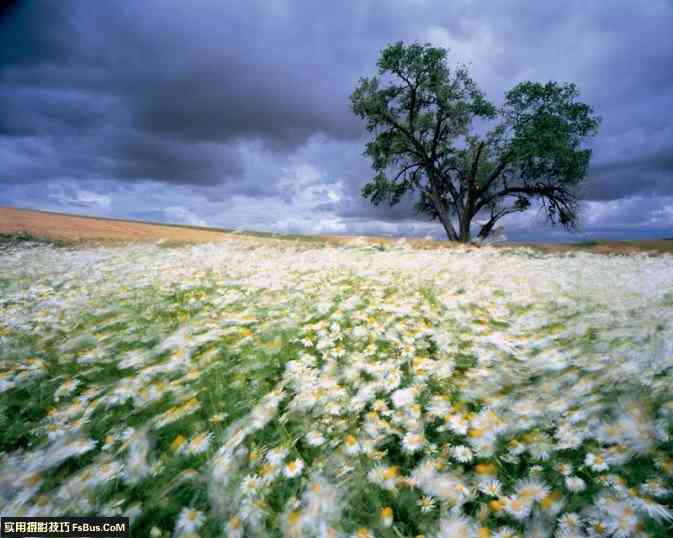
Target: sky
235	114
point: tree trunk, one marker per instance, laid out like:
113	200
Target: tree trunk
448	227
442	213
464	231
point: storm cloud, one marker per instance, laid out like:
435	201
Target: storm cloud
236	113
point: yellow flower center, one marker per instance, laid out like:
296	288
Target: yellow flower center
293	517
390	472
496	505
387	513
485	468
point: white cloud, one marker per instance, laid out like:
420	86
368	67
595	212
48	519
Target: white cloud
65	195
91	198
180	215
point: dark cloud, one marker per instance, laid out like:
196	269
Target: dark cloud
234	98
137	156
649	174
34	35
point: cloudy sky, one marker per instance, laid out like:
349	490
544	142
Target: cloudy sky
235	113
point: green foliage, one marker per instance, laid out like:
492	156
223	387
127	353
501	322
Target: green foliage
26	239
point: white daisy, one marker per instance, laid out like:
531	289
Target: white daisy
595	462
276	456
189	521
427	504
491	487
199	443
351	445
456	526
293	469
403	397
518	507
315	438
575	484
412	442
461	453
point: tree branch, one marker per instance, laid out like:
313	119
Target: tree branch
486	229
494	175
435	137
404	170
473	173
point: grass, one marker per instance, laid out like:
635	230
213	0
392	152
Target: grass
11	240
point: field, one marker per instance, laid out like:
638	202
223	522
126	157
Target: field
261	387
78	230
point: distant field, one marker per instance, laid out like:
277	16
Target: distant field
84	229
79	228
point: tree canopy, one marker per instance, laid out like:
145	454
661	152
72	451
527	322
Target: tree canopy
421	117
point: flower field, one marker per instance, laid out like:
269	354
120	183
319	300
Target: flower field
279	388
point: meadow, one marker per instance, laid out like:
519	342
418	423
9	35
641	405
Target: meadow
254	387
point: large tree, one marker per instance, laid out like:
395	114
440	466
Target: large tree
421	115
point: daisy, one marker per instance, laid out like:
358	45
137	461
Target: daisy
384	477
491	487
506	532
351	445
108	471
249	484
457	424
575	484
66	388
179	444
655	487
485	469
456	526
412	442
217	418
532	489
293	469
403	397
315	438
386	517
380	406
427	504
439	406
276	456
461	453
333	408
652	509
569	522
623	526
566	469
595	462
200	443
234	528
189	521
518	508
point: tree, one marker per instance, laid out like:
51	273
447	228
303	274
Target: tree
420	114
